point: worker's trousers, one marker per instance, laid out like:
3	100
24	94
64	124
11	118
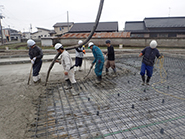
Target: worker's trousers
36	69
99	67
148	69
78	61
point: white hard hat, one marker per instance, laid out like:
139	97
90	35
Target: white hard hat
30	43
80	42
58	46
90	44
153	44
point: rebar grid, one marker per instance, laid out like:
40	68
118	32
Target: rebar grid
119	107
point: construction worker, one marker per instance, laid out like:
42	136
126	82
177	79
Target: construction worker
149	53
110	57
66	61
36	55
80	51
99	60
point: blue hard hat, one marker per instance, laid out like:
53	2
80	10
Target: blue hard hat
107	41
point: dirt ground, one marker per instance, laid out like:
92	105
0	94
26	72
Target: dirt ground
17	99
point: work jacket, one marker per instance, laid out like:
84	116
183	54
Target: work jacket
149	55
35	52
110	53
79	52
98	55
66	62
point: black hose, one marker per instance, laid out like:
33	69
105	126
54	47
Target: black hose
76	46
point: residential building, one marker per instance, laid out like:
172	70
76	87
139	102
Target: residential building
5	34
26	35
12	34
62	27
157	27
41	33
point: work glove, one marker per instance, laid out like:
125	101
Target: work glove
161	57
32	61
99	61
84	51
34	58
92	65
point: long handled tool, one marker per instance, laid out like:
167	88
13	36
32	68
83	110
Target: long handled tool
88	72
30	74
73	47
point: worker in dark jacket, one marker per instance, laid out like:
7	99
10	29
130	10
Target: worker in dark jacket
149	53
110	57
80	51
99	60
36	55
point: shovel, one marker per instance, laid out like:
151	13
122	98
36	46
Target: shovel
30	74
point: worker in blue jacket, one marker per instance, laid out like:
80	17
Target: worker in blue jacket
99	60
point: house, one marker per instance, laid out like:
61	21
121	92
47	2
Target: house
157	27
41	33
62	27
87	27
26	35
12	34
5	34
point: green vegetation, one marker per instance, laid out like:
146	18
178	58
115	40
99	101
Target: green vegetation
15	46
23	46
18	46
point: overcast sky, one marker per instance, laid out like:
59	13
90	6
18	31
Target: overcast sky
19	14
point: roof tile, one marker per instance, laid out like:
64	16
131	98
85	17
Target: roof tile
98	35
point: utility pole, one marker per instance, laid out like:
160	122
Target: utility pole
31	28
68	20
30	31
169	11
1	17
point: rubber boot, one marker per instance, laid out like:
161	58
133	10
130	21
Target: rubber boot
107	71
148	80
80	69
100	77
39	79
114	72
98	81
68	82
143	79
75	90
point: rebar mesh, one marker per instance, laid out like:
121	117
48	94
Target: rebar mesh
118	108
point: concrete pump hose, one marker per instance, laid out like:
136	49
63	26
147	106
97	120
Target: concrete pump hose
76	46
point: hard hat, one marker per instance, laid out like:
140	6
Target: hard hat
30	43
153	44
80	42
90	44
107	41
58	46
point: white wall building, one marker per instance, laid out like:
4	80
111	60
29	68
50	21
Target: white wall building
41	33
26	35
62	27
